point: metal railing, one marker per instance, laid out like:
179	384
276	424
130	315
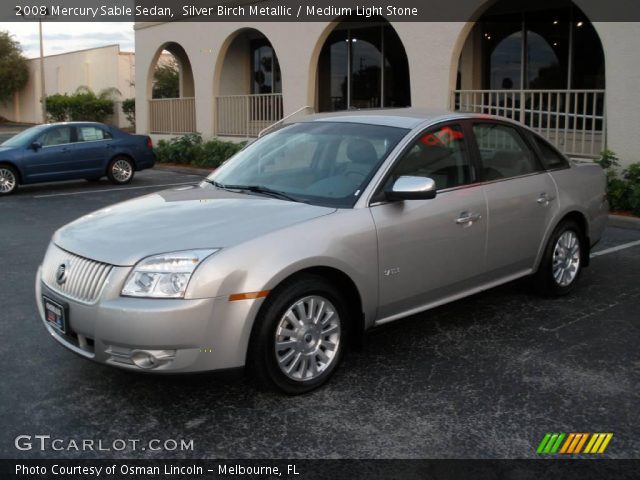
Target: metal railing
573	120
247	115
172	115
267	129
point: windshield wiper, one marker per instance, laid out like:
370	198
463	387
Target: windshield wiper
261	189
215	184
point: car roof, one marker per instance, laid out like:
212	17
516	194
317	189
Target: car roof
55	124
393	117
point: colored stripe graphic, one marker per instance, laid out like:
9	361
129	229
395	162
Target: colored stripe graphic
550	443
573	443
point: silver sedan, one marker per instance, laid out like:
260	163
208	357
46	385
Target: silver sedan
313	234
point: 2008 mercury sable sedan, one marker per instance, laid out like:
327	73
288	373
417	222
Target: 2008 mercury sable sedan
312	235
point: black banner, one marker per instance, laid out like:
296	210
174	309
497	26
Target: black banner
287	10
321	469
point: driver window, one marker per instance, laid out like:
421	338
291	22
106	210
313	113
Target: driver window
441	155
56	136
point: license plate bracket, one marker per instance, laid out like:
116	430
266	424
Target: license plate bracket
55	314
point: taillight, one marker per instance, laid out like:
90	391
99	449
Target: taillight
149	143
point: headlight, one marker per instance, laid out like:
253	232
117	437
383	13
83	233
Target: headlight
164	276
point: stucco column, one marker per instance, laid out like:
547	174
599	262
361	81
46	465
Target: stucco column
430	48
620	42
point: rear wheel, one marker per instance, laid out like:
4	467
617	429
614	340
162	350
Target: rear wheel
562	262
299	337
8	180
120	170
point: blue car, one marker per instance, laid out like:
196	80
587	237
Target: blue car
72	150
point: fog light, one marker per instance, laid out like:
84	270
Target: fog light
149	359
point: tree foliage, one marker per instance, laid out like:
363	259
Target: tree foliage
129	110
83	105
14	69
166	80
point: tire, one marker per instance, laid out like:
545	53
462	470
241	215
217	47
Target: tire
311	347
8	180
558	274
120	170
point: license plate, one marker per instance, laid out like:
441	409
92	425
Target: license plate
54	313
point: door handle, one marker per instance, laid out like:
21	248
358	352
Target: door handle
545	198
466	218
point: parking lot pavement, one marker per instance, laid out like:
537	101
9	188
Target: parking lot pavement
486	376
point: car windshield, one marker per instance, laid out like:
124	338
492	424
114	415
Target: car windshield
322	163
24	137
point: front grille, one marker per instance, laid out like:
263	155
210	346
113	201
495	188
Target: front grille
84	278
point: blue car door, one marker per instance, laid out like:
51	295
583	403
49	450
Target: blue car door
92	150
51	155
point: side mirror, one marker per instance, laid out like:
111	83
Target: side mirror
36	146
412	188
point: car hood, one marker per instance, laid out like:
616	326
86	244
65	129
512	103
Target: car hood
178	219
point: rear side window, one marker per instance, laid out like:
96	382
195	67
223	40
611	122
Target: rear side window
92	134
503	152
550	157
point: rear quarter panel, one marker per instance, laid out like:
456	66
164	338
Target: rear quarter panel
581	188
135	146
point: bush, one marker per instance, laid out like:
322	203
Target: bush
190	149
57	107
623	193
83	105
129	110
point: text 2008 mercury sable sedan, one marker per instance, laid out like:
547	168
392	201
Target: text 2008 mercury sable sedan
313	234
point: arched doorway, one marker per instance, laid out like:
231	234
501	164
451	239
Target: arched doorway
248	85
362	65
541	66
171	91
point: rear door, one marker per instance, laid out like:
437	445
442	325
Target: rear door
521	198
92	150
432	249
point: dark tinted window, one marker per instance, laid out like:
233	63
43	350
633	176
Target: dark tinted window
503	152
549	156
441	155
56	136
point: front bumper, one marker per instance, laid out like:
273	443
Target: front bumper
190	335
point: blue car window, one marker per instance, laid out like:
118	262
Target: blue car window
56	136
92	134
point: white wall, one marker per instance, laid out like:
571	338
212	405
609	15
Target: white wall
96	68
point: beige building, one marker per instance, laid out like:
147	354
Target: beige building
572	79
96	68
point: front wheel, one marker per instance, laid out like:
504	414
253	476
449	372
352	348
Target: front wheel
8	180
120	170
299	337
562	261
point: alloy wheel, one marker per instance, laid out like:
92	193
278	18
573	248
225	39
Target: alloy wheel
566	258
307	338
7	180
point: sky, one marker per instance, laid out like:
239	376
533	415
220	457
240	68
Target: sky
60	37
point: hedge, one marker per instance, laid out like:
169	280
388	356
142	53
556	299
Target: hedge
190	149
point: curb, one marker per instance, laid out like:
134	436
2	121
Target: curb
621	221
186	170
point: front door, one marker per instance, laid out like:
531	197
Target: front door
53	160
432	249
